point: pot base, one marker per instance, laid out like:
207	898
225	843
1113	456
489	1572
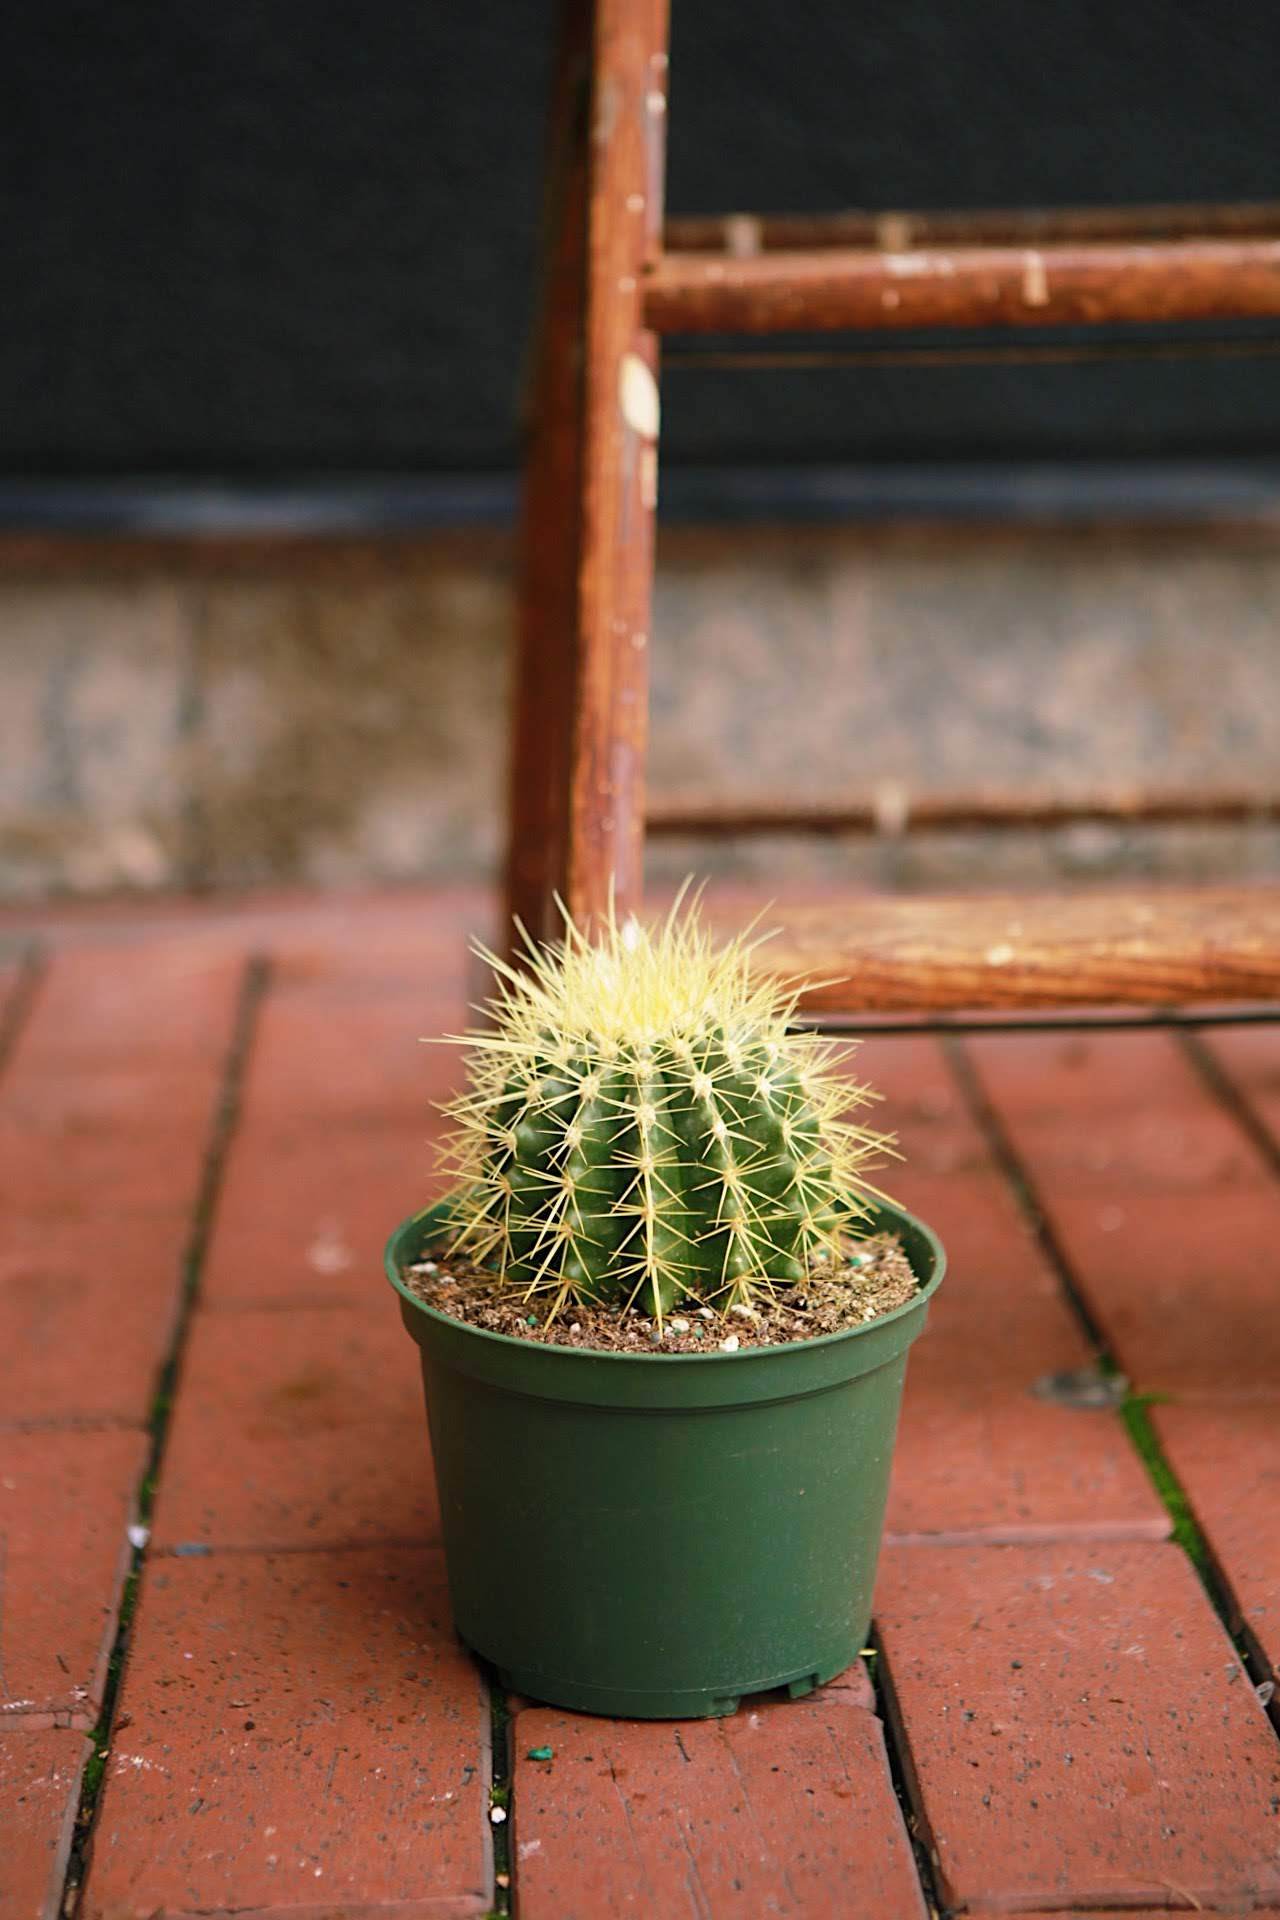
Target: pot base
681	1703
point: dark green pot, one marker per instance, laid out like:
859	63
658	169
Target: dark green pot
655	1535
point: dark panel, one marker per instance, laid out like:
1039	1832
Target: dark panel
253	235
252	239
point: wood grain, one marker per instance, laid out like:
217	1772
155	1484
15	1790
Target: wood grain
1068	283
550	543
628	144
581	709
1160	948
891	229
892	808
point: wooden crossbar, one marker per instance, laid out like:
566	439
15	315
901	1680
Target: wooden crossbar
1065	283
893	809
1159	948
896	231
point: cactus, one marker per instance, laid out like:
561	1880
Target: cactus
641	1127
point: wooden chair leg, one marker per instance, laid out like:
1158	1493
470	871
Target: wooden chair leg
581	718
546	635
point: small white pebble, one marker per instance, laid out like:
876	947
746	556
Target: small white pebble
138	1536
705	1313
497	1815
575	1326
678	1326
730	1345
744	1313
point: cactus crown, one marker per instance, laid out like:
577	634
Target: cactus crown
640	1126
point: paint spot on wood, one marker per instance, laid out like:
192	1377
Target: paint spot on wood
638	397
1035	281
907	266
893	232
742	235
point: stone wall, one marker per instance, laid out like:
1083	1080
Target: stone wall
187	716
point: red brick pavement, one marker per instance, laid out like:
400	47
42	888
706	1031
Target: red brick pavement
39	1785
980	1457
1067	1709
297	1730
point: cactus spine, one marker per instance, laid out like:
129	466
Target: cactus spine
641	1127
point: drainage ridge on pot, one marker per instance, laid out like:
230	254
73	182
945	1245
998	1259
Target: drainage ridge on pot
655	1535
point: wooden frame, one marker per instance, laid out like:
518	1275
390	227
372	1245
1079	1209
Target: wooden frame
581	722
614	284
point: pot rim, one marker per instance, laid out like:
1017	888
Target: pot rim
509	1342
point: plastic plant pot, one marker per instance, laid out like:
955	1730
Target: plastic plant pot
656	1535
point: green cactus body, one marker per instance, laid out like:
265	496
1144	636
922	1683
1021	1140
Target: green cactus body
640	1140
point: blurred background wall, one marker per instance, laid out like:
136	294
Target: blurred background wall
268	280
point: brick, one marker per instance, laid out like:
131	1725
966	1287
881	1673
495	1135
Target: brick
65	1102
12	974
39	1791
303	1429
978	1456
318	1058
162	1000
1250	1057
1122	1760
104	1122
303	1217
101	1175
65	1502
922	1105
86	1316
786	1810
853	1686
1139	1213
1184	1290
304	1732
1115	1107
1227	1457
420	947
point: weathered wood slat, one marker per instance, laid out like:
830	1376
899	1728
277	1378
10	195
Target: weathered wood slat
893	809
863	289
546	635
893	230
619	459
1160	948
577	781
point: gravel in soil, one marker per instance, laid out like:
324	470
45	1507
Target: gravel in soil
872	1278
